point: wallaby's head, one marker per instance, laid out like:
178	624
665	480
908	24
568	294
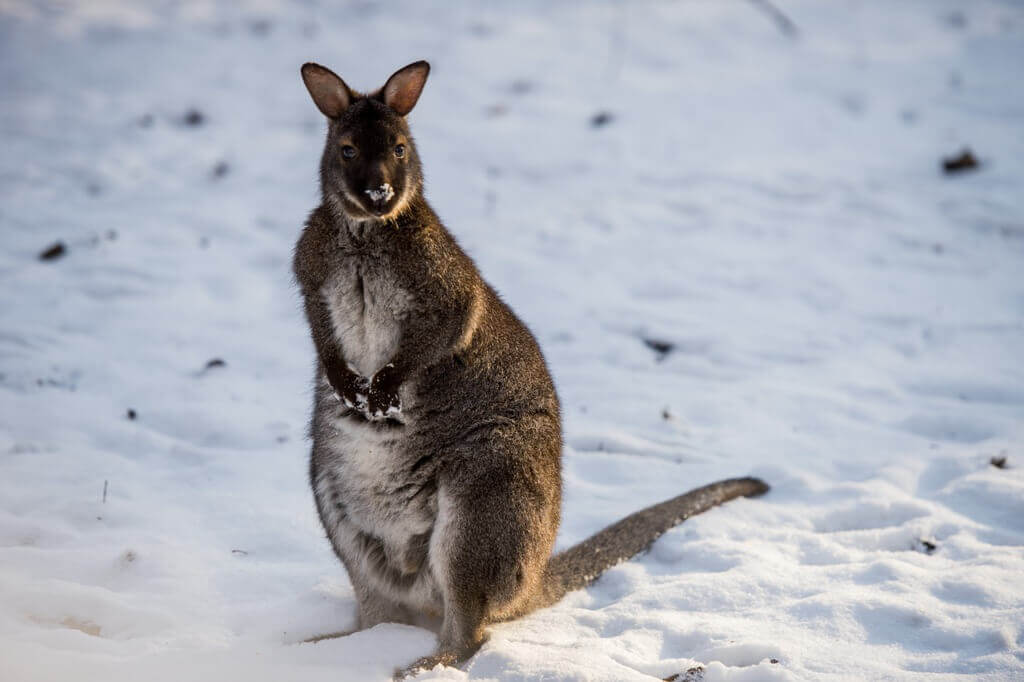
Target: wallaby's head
370	166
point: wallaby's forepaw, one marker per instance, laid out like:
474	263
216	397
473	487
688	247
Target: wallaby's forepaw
355	401
383	400
349	388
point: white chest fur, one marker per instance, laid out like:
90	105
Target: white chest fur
366	307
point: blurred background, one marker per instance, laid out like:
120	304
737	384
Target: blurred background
775	237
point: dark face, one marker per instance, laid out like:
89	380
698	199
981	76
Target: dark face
370	164
370	167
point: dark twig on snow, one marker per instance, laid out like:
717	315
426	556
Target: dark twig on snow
962	162
211	364
193	118
662	348
694	674
782	21
53	252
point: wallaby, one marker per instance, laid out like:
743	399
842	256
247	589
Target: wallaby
436	460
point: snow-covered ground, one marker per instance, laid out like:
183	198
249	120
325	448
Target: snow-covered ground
845	321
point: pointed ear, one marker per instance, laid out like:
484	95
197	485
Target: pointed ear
404	87
329	92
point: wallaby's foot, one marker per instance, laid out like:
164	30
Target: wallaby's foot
447	658
450	656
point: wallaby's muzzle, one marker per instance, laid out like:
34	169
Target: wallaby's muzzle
379	198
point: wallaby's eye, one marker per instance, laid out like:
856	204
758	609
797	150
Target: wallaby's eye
348	151
400	151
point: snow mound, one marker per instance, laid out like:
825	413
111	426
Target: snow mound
731	235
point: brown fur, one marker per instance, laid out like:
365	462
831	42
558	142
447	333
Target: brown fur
436	462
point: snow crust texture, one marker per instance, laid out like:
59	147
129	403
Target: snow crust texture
733	240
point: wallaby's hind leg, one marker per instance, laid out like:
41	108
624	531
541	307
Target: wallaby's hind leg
487	557
464	587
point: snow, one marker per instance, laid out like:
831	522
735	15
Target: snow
383	193
843	320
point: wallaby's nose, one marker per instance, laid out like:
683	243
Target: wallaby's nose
380	195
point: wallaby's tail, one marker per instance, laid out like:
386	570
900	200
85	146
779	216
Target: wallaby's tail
580	565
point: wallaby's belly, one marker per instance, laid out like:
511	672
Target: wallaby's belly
366	306
378	508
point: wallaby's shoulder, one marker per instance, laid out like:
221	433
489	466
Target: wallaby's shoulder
421	244
316	248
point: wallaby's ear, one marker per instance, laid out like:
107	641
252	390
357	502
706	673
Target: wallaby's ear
404	87
329	92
